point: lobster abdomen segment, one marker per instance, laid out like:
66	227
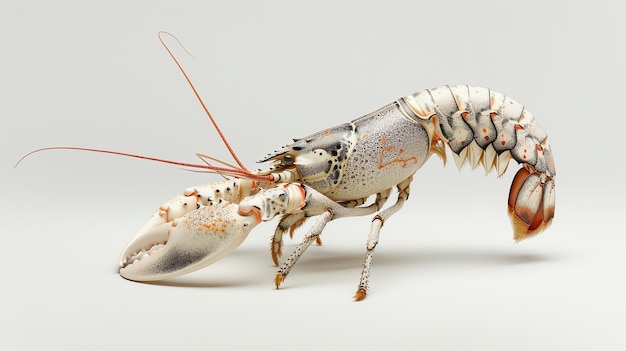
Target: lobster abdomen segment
481	125
489	128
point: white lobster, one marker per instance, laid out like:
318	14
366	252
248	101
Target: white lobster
332	173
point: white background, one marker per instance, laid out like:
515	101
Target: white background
446	274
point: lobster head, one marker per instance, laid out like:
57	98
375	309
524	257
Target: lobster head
317	158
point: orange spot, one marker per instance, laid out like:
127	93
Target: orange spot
464	114
217	225
493	115
518	127
539	148
484	130
385	149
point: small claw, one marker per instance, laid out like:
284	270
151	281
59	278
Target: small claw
360	295
196	240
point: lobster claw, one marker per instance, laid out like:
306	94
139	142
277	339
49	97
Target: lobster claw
186	244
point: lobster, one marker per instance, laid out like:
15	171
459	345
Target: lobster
333	173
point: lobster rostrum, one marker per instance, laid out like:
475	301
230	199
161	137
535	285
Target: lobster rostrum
332	174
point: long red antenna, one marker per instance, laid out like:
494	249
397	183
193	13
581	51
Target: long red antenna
219	170
232	171
217	128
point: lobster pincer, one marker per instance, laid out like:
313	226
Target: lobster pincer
204	224
186	244
199	227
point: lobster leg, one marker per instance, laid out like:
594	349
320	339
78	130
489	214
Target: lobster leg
333	210
372	239
309	238
290	221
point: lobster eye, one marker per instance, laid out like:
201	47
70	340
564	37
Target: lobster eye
288	160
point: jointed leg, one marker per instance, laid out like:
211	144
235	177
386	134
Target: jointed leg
333	210
288	222
310	237
292	221
372	238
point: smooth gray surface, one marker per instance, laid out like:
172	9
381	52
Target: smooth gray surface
446	274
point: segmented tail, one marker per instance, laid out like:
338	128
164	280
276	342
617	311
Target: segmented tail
486	127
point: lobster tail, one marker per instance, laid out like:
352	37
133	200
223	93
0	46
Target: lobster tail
486	127
531	203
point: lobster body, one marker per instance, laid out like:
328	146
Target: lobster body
332	173
364	157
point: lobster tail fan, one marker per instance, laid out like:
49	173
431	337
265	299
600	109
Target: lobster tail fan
531	204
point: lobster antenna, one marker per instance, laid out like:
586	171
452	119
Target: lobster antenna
207	158
212	169
217	128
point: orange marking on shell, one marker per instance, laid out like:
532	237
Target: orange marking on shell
164	212
464	114
254	211
403	161
217	225
303	196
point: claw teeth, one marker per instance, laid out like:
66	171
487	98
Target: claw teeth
203	236
144	252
